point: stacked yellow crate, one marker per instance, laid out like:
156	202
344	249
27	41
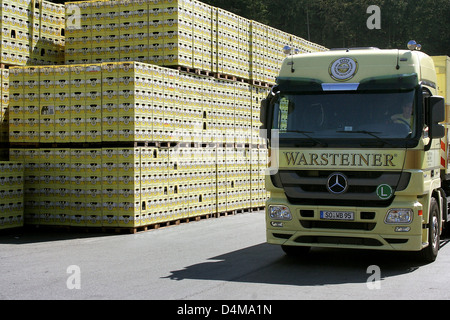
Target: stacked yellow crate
257	95
154	185
227	42
85	199
276	41
129	117
138	23
243	113
17	105
4	114
130	102
270	63
242	181
209	133
254	177
244	48
128	203
32	32
230	162
15	48
238	182
221	179
258	51
61	84
77	32
126	101
175	37
185	33
11	194
193	105
201	36
49	45
306	46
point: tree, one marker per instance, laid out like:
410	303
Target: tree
342	23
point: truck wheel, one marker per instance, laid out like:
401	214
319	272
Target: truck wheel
430	253
295	251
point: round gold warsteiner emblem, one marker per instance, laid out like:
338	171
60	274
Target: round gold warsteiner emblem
343	69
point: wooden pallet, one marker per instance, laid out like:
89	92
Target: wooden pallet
132	230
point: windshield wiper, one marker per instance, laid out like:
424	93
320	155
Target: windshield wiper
370	133
305	133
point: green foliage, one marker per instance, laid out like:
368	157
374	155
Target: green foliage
342	23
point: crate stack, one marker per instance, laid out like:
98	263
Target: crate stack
182	33
32	32
4	114
153	117
135	187
11	194
129	144
129	102
93	103
11	173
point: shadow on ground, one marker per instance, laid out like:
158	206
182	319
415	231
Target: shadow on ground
267	264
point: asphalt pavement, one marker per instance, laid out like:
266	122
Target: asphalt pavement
219	258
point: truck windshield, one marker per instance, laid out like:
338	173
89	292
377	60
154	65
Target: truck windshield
346	115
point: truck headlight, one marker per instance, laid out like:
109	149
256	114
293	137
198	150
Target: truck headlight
399	216
280	213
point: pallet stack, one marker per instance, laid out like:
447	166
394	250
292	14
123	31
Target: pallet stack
188	146
129	102
153	117
184	33
4	114
11	194
138	187
32	32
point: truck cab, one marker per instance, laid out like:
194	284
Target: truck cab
358	146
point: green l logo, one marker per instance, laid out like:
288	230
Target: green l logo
384	191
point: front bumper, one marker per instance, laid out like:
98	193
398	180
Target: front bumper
368	230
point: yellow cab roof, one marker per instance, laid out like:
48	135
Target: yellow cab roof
354	65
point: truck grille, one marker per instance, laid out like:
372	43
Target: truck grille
342	225
358	241
309	187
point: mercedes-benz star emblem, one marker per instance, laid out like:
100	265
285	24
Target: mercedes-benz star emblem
337	183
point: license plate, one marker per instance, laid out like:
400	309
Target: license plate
337	215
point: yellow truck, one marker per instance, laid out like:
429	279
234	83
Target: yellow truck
358	146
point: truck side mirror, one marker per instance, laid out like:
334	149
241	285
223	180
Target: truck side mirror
436	114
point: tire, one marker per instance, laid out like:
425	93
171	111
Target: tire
295	251
429	254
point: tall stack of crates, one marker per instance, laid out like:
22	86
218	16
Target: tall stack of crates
11	194
105	102
133	186
201	36
244	48
15	46
4	114
67	124
182	33
227	42
32	32
132	115
258	51
157	32
48	45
